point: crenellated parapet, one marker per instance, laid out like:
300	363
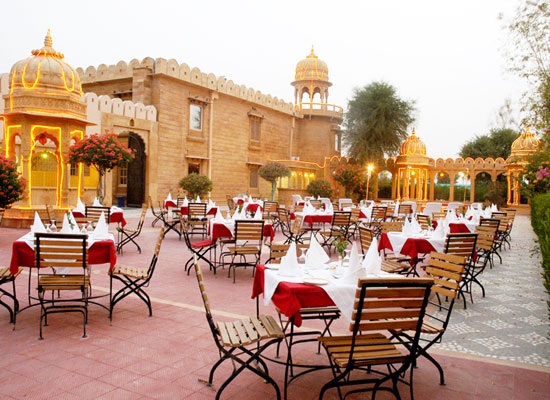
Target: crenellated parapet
182	71
98	104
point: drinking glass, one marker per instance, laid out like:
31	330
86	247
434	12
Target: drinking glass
53	228
303	255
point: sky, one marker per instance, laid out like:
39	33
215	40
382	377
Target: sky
445	55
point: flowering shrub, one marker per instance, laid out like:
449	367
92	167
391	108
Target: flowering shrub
11	183
271	172
536	178
320	188
349	176
103	151
196	185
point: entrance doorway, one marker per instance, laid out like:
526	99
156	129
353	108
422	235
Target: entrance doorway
135	194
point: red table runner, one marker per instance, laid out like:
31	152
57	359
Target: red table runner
101	252
411	248
289	297
252	207
312	219
454	227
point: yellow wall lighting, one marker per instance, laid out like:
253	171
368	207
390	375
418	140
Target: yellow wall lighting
7	138
77	134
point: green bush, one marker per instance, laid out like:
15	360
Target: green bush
540	219
11	183
320	188
196	185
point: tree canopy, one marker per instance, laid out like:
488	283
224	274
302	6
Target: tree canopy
376	122
496	144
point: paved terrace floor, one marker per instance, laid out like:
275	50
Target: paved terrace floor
496	349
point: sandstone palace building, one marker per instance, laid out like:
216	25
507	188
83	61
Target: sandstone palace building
179	120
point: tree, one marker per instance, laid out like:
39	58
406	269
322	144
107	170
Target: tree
11	183
196	185
496	144
103	151
319	188
529	55
271	172
376	122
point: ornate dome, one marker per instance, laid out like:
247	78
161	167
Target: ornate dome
311	69
413	146
44	83
525	144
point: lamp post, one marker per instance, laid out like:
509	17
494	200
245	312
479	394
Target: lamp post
370	168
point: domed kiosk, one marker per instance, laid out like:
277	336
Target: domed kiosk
411	170
526	144
44	113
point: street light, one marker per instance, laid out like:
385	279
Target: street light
370	168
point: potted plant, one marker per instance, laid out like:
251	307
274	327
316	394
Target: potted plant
319	188
271	172
196	185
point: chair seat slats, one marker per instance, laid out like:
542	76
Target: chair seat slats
6	273
140	273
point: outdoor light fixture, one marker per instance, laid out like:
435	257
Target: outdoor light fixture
370	168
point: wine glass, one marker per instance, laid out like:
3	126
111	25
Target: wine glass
53	228
90	227
303	255
346	256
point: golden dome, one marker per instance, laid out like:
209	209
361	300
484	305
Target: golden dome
311	69
413	146
525	144
45	71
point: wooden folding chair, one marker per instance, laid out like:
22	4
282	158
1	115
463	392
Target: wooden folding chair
134	280
377	216
94	212
493	223
464	245
424	221
199	249
366	235
234	340
196	218
338	229
270	209
159	214
65	257
447	271
381	307
126	235
404	210
6	277
249	236
297	231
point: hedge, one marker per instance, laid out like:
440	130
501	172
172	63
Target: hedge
540	220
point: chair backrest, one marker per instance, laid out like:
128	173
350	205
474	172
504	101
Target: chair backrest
365	236
196	210
179	201
297	225
298	207
405	209
341	219
154	260
270	207
378	213
393	226
204	296
485	237
492	222
390	209
142	218
423	220
355	215
438	215
249	230
447	270
94	212
461	244
389	304
278	251
283	215
61	250
343	203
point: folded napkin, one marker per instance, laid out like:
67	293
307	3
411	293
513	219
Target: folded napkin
96	202
169	197
80	206
289	263
258	215
415	226
218	217
355	271
396	209
67	228
211	203
250	199
494	208
115	209
185	202
236	215
37	226
316	255
101	230
198	199
439	232
373	262
407	228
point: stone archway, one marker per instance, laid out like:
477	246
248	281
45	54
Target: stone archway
135	194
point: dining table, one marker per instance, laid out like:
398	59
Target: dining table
412	245
100	252
226	230
114	217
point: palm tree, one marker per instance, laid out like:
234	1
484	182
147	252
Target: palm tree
376	122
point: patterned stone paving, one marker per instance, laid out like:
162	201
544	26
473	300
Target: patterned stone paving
511	322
